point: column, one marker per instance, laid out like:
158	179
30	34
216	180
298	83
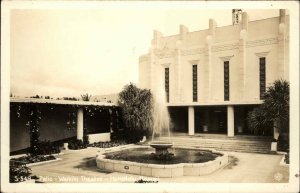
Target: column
281	45
152	53
191	115
230	121
80	123
178	75
208	55
242	57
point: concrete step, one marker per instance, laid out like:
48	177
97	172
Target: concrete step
224	144
218	136
224	147
215	140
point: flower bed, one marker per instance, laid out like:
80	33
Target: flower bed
33	159
77	144
107	144
18	169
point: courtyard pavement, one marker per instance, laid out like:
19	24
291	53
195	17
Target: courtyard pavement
80	166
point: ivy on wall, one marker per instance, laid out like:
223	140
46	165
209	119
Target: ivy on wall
31	112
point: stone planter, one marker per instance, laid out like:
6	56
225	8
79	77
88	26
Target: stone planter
66	146
240	129
205	128
274	146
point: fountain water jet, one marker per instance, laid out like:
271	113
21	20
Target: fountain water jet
161	122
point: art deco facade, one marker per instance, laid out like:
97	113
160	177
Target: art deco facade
214	77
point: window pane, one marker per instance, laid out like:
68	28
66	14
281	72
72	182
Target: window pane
194	78
226	81
262	76
167	83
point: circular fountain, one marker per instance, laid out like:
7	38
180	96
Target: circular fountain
141	160
161	147
161	127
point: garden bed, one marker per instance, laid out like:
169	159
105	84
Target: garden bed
19	170
285	161
28	159
108	144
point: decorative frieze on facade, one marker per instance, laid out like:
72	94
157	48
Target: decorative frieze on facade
223	47
193	51
262	42
169	53
165	53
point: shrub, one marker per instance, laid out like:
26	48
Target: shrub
283	142
76	144
86	97
134	136
136	105
107	144
117	134
145	181
85	140
47	148
33	159
18	171
287	158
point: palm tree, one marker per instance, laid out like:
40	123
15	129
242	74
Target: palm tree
86	97
274	111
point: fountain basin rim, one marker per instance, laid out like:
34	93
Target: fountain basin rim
161	144
162	170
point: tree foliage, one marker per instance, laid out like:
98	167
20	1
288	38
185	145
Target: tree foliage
86	97
136	105
275	109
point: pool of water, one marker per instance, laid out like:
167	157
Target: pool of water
144	155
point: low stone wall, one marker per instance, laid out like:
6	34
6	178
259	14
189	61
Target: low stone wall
162	171
99	137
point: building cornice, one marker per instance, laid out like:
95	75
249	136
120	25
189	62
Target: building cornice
224	103
169	52
60	102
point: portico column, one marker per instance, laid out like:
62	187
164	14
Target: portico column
191	125
80	123
230	121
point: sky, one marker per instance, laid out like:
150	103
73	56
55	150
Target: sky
75	51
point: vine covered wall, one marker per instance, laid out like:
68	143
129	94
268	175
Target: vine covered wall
55	122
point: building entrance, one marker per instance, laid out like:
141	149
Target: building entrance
211	120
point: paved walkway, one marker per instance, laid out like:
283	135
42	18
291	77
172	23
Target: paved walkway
80	166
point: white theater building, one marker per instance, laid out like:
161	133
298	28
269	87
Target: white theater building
214	77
